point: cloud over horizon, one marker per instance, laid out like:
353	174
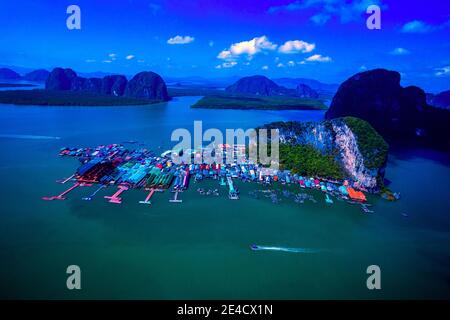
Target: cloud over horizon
296	46
318	58
180	40
400	52
443	72
262	44
249	48
225	65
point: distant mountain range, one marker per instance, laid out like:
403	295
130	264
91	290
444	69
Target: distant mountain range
8	74
289	83
144	85
313	84
39	75
190	81
263	86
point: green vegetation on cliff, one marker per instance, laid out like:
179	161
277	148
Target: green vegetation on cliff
258	102
370	143
308	161
66	98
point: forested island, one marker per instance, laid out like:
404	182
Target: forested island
258	102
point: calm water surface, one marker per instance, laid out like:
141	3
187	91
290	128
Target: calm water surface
200	248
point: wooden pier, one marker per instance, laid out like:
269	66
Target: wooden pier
147	199
175	198
115	197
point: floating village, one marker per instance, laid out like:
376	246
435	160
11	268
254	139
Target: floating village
115	165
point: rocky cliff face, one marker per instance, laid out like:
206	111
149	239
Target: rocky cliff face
146	85
351	158
263	86
61	79
8	74
39	75
304	91
114	85
396	112
356	147
259	86
255	85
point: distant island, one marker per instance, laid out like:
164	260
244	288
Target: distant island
342	148
259	92
16	85
262	86
39	75
65	87
258	102
396	112
41	97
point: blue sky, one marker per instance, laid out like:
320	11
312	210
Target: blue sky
323	39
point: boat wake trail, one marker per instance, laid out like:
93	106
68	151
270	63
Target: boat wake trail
27	136
284	249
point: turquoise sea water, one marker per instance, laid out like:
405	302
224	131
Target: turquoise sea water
200	248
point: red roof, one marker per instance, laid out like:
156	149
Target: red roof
356	195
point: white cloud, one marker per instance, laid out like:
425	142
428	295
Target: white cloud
444	71
89	60
280	65
211	43
400	52
225	55
291	63
416	26
250	48
265	67
107	61
129	57
318	58
296	46
180	40
225	65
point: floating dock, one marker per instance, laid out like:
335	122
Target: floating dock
89	198
175	198
62	181
115	197
232	193
147	199
62	195
114	164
